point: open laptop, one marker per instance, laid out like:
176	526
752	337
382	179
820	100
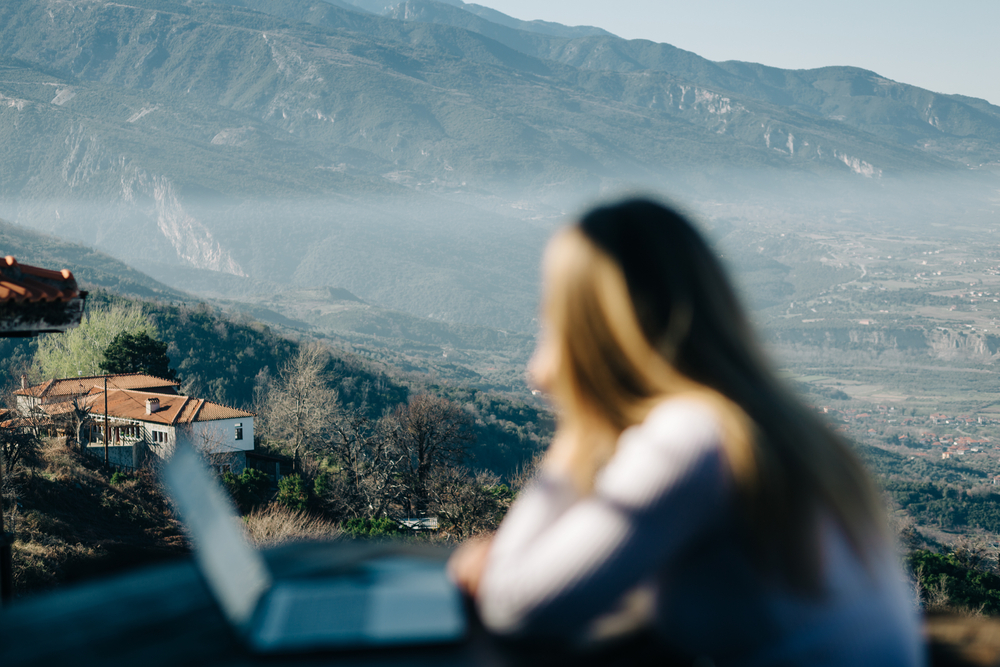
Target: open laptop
387	600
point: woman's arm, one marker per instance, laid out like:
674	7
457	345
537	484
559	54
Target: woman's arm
558	561
524	521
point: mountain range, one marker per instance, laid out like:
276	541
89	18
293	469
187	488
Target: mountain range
418	154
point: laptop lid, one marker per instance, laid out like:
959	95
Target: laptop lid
235	572
362	599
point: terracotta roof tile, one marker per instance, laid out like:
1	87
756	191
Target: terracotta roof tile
127	404
23	283
136	381
211	411
81	385
131	404
190	412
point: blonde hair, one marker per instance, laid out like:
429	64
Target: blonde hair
615	354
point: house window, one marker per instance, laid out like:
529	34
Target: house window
239	431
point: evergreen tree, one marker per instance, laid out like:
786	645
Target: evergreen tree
293	493
137	353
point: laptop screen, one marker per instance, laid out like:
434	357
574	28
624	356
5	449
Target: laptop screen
235	572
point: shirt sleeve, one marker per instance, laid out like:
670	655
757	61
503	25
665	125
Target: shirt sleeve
559	561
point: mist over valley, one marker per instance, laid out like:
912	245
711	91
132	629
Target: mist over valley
420	158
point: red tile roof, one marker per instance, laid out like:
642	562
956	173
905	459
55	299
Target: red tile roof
23	283
81	385
173	410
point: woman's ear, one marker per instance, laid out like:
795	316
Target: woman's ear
543	368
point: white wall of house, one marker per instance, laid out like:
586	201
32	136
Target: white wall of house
212	437
25	404
219	436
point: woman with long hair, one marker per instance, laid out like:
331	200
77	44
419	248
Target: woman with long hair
684	486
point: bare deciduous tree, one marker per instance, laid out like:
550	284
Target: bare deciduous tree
75	419
367	481
469	505
432	433
262	384
300	406
19	434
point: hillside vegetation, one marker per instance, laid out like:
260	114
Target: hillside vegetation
91	268
74	520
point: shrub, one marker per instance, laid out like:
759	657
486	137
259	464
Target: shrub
248	490
292	493
118	479
369	528
322	485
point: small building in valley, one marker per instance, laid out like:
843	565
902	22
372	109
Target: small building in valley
154	424
145	418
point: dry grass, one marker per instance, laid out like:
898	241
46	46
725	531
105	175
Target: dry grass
276	524
70	523
939	601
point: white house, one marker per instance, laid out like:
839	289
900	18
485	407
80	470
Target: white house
145	416
153	424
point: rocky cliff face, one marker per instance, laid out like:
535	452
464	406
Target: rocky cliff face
143	205
937	343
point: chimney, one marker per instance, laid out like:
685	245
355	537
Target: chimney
152	405
24	381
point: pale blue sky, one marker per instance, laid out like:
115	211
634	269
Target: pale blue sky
947	47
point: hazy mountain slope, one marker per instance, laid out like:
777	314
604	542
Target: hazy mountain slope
487	17
447	101
508	33
449	351
963	129
90	267
672	112
189	168
419	165
543	27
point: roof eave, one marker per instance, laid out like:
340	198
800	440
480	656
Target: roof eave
33	318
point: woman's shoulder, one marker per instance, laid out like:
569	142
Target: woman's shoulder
687	421
680	439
